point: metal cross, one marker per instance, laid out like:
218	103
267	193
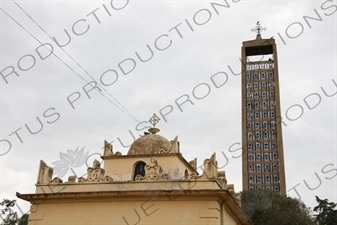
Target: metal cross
154	120
258	29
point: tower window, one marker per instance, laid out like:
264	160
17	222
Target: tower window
248	75
249	96
257	137
251	179
257	105
273	135
257	115
266	146
250	135
258	147
271	94
256	95
250	146
249	86
265	135
271	75
275	179
263	84
251	168
257	125
258	156
263	76
258	179
249	105
249	125
266	156
256	76
264	95
256	86
273	145
139	169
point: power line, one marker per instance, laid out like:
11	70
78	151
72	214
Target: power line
122	108
78	63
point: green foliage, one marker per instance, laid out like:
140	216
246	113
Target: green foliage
23	220
327	214
269	208
8	216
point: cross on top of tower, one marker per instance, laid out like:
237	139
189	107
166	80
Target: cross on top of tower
154	120
258	29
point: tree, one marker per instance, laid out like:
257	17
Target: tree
269	208
8	216
23	220
327	214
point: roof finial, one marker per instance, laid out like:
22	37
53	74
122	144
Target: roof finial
153	121
258	29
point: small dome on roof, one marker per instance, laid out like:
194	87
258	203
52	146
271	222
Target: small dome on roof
150	144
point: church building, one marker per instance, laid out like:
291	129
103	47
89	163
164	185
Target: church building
152	184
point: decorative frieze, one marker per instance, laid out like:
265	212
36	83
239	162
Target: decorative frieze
153	171
95	174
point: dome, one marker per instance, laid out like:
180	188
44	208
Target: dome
150	144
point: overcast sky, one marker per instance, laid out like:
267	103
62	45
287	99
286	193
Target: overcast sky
191	41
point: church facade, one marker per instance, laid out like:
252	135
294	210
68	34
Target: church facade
152	184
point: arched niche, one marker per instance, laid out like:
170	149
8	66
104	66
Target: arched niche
139	169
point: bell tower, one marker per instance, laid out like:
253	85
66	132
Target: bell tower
262	158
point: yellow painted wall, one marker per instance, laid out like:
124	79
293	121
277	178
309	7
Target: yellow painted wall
146	210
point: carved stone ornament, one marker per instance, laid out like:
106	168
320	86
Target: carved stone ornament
57	180
193	163
153	171
174	147
210	168
45	174
95	174
108	150
193	175
222	178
